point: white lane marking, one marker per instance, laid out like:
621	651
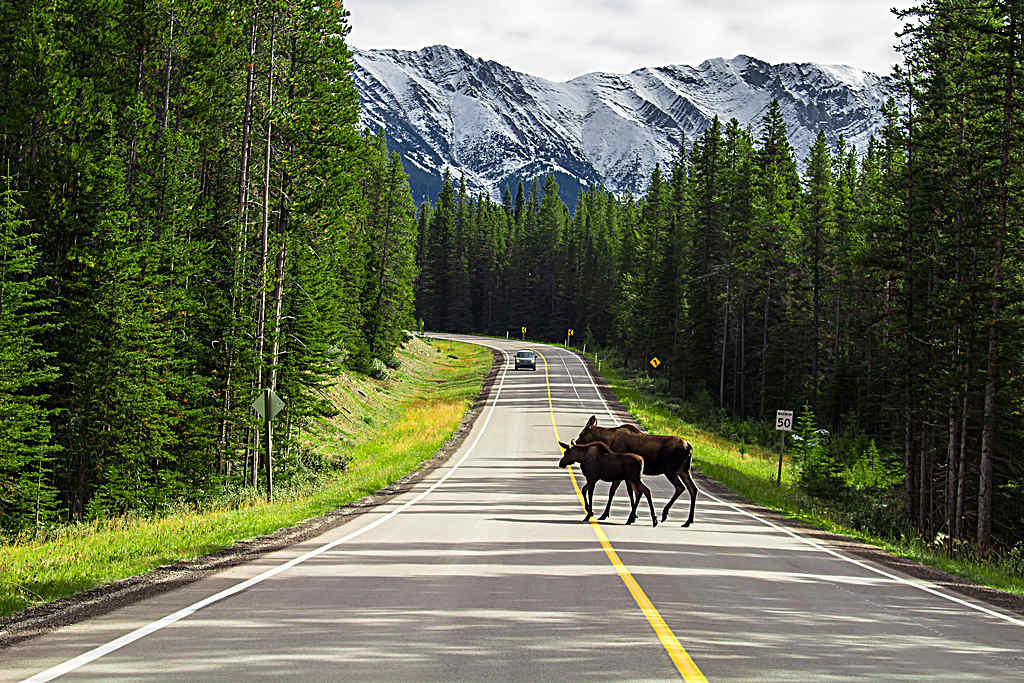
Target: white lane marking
593	384
916	584
571	381
143	631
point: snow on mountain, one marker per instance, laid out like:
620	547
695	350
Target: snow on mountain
443	109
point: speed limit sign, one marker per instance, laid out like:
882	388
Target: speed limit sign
784	420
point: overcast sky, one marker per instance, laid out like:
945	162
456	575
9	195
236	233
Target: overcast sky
561	39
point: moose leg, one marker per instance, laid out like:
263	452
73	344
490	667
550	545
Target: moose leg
588	500
642	488
674	479
611	494
691	487
634	500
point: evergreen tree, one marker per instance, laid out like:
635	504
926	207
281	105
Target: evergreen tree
27	496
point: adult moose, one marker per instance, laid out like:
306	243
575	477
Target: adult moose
667	455
600	463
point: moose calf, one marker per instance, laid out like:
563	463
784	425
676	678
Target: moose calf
600	463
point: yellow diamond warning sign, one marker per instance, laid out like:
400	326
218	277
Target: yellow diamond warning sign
655	362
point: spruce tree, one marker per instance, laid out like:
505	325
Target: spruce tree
27	495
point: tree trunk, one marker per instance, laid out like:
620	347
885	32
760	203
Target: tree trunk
909	462
167	75
282	231
985	483
725	342
389	188
961	478
952	465
261	307
239	251
764	350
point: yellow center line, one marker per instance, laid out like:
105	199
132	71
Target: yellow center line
687	669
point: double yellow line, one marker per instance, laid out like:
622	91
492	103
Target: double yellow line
687	669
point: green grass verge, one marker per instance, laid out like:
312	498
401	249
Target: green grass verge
751	471
428	398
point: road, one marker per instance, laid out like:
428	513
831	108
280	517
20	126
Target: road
484	571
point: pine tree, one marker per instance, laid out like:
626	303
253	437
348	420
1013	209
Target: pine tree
818	224
27	496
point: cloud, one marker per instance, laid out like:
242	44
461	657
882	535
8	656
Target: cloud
562	40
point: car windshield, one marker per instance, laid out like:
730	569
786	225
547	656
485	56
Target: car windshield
524	354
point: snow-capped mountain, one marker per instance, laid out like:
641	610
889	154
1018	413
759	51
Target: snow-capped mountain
444	109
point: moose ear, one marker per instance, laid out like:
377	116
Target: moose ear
564	447
591	422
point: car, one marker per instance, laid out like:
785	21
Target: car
526	359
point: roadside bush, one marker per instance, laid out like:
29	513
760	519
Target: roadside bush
819	473
378	370
871	470
875	510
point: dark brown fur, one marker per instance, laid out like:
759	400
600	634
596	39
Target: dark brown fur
667	455
600	463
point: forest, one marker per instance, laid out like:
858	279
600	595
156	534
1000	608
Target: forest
878	289
191	214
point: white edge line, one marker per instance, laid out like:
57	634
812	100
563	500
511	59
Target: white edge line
143	631
922	586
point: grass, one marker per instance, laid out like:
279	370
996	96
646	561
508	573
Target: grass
412	415
751	471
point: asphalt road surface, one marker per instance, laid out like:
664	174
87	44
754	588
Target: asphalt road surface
484	571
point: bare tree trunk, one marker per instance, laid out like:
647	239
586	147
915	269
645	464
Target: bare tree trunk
167	75
282	222
909	461
952	463
961	479
985	483
924	514
764	349
239	255
742	393
910	454
725	342
261	307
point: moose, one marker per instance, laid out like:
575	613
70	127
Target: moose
667	455
600	463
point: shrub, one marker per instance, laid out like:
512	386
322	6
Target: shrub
378	370
819	474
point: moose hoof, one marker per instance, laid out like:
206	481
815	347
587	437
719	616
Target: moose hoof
686	523
587	518
630	520
602	517
655	522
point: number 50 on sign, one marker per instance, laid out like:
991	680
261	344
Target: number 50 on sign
784	420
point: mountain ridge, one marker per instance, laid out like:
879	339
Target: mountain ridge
444	109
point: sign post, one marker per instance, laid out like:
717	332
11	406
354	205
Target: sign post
524	332
568	336
268	405
783	424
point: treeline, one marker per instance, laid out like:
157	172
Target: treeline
880	287
189	215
